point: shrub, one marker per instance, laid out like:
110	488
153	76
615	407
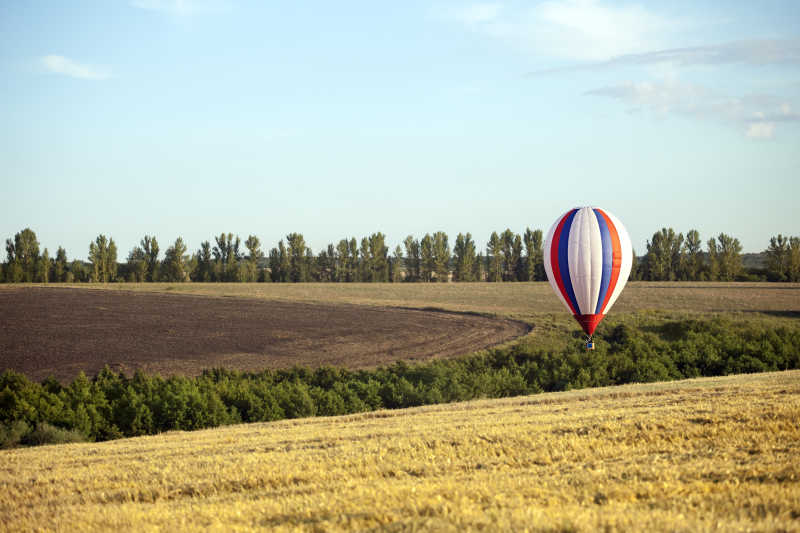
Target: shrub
112	405
11	435
47	434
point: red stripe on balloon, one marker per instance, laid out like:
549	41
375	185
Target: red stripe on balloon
589	322
616	259
554	260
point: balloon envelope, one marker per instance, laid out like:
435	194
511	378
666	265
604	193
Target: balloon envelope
588	257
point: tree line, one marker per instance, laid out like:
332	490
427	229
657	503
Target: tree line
112	405
670	256
508	257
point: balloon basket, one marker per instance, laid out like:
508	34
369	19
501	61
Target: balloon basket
589	344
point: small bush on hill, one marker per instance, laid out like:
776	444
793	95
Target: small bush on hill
11	434
47	434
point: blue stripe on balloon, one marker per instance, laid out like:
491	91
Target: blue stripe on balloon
563	260
608	259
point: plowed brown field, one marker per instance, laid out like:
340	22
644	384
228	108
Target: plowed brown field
59	332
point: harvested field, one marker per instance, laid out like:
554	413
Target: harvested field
524	300
715	454
61	331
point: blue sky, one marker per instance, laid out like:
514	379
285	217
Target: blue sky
338	119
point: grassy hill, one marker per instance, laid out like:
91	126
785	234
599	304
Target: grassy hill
703	454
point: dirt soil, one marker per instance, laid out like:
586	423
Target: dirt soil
59	332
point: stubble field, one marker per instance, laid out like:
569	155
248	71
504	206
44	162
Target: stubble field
717	454
522	300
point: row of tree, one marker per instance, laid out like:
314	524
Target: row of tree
228	259
783	258
671	256
509	257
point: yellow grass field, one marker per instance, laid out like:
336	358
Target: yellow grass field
699	455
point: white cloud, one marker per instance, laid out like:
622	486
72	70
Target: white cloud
761	130
66	66
756	114
660	98
586	30
182	7
753	52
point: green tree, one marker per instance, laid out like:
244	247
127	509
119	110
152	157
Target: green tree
396	265
713	260
480	268
663	259
507	241
174	268
13	270
60	265
44	266
326	264
204	269
298	264
103	257
413	259
725	258
517	262
693	264
23	255
464	252
226	257
427	260
312	265
512	255
352	246
534	261
343	262
254	255
494	254
778	256
77	272
111	260
636	270
150	246
364	261
677	257
274	265
191	266
279	263
441	256
378	257
794	259
137	265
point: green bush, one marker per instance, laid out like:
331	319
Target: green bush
11	434
48	434
655	349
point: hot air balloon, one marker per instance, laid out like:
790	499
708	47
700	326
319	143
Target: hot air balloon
587	257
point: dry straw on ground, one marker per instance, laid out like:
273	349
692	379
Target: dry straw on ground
708	454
